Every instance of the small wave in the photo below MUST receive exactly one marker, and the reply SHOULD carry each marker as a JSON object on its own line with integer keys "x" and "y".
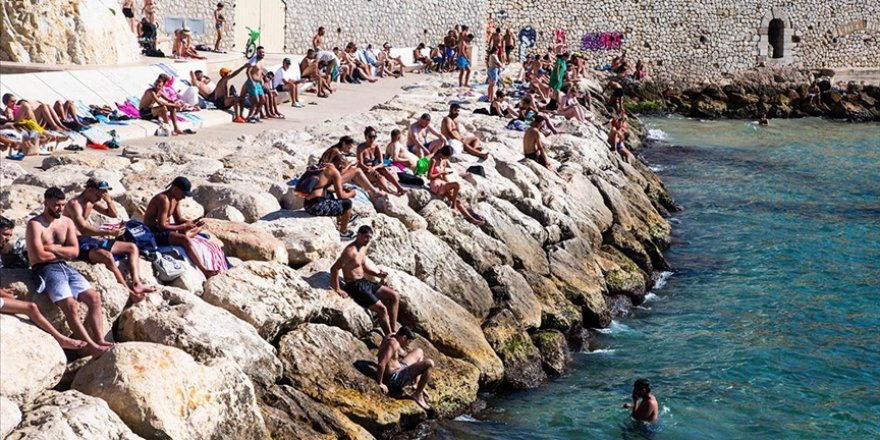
{"x": 602, "y": 351}
{"x": 656, "y": 168}
{"x": 661, "y": 281}
{"x": 466, "y": 418}
{"x": 615, "y": 327}
{"x": 657, "y": 134}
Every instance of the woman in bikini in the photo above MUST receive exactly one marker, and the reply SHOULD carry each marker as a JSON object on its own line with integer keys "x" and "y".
{"x": 442, "y": 187}
{"x": 370, "y": 160}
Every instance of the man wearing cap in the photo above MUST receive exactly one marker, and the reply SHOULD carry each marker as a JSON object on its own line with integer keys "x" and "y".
{"x": 417, "y": 137}
{"x": 51, "y": 241}
{"x": 222, "y": 95}
{"x": 286, "y": 80}
{"x": 165, "y": 207}
{"x": 98, "y": 245}
{"x": 400, "y": 373}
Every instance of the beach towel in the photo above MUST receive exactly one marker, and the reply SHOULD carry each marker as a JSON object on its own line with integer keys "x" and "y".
{"x": 96, "y": 136}
{"x": 129, "y": 110}
{"x": 107, "y": 121}
{"x": 210, "y": 254}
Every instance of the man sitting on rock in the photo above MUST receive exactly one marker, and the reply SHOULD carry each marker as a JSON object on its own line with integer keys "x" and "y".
{"x": 314, "y": 187}
{"x": 380, "y": 299}
{"x": 99, "y": 245}
{"x": 9, "y": 303}
{"x": 400, "y": 373}
{"x": 533, "y": 144}
{"x": 165, "y": 207}
{"x": 417, "y": 137}
{"x": 51, "y": 240}
{"x": 449, "y": 128}
{"x": 221, "y": 95}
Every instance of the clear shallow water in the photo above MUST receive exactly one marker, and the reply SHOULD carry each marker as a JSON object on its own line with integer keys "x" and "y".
{"x": 769, "y": 327}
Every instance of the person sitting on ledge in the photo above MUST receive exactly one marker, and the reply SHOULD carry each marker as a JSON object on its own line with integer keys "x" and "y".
{"x": 644, "y": 404}
{"x": 99, "y": 245}
{"x": 183, "y": 45}
{"x": 271, "y": 96}
{"x": 442, "y": 187}
{"x": 154, "y": 106}
{"x": 361, "y": 70}
{"x": 370, "y": 160}
{"x": 449, "y": 128}
{"x": 391, "y": 65}
{"x": 51, "y": 241}
{"x": 377, "y": 298}
{"x": 420, "y": 57}
{"x": 414, "y": 368}
{"x": 222, "y": 94}
{"x": 11, "y": 305}
{"x": 165, "y": 207}
{"x": 285, "y": 80}
{"x": 417, "y": 137}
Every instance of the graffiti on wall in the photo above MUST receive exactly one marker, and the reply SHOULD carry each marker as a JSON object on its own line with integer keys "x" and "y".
{"x": 601, "y": 40}
{"x": 527, "y": 38}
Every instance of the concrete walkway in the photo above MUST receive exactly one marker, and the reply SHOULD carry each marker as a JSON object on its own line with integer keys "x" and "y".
{"x": 348, "y": 99}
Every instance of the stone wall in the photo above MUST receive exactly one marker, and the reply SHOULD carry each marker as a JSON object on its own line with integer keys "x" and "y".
{"x": 400, "y": 22}
{"x": 194, "y": 10}
{"x": 65, "y": 32}
{"x": 695, "y": 41}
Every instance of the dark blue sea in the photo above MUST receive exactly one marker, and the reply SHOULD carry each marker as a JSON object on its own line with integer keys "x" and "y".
{"x": 768, "y": 327}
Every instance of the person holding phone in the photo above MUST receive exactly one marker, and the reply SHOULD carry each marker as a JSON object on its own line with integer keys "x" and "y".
{"x": 369, "y": 158}
{"x": 99, "y": 245}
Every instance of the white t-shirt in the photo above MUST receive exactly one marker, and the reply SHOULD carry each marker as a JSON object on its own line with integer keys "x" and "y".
{"x": 326, "y": 56}
{"x": 282, "y": 75}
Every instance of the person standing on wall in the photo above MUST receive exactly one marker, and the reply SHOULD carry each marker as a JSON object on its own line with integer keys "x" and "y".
{"x": 219, "y": 23}
{"x": 128, "y": 13}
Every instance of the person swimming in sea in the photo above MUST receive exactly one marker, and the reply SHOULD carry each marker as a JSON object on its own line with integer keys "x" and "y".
{"x": 644, "y": 404}
{"x": 763, "y": 120}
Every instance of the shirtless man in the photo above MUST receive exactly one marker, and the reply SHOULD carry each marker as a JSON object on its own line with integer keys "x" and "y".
{"x": 400, "y": 373}
{"x": 617, "y": 139}
{"x": 51, "y": 240}
{"x": 314, "y": 187}
{"x": 128, "y": 13}
{"x": 464, "y": 61}
{"x": 317, "y": 39}
{"x": 10, "y": 304}
{"x": 450, "y": 42}
{"x": 533, "y": 144}
{"x": 163, "y": 208}
{"x": 154, "y": 106}
{"x": 648, "y": 409}
{"x": 378, "y": 298}
{"x": 220, "y": 94}
{"x": 449, "y": 128}
{"x": 253, "y": 87}
{"x": 308, "y": 68}
{"x": 417, "y": 137}
{"x": 99, "y": 245}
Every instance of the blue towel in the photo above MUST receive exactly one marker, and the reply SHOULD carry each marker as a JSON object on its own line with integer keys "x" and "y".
{"x": 105, "y": 120}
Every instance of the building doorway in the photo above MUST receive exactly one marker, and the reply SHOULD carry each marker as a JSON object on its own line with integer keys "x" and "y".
{"x": 266, "y": 15}
{"x": 776, "y": 38}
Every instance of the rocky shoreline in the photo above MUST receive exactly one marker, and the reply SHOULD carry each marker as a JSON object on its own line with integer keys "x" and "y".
{"x": 780, "y": 93}
{"x": 266, "y": 350}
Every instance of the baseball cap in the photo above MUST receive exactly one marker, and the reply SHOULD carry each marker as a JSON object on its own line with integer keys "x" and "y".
{"x": 98, "y": 184}
{"x": 225, "y": 71}
{"x": 184, "y": 184}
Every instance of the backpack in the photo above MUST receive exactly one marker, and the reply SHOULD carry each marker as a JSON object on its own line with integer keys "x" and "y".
{"x": 307, "y": 182}
{"x": 167, "y": 268}
{"x": 138, "y": 233}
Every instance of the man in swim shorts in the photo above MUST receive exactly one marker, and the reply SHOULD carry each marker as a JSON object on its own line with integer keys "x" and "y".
{"x": 417, "y": 137}
{"x": 401, "y": 373}
{"x": 450, "y": 130}
{"x": 464, "y": 60}
{"x": 253, "y": 87}
{"x": 378, "y": 298}
{"x": 644, "y": 404}
{"x": 51, "y": 241}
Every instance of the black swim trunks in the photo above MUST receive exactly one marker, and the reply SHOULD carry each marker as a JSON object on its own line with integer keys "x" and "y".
{"x": 533, "y": 156}
{"x": 326, "y": 206}
{"x": 146, "y": 114}
{"x": 127, "y": 12}
{"x": 362, "y": 291}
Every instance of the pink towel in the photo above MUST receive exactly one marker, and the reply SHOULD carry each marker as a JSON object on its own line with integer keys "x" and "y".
{"x": 129, "y": 109}
{"x": 213, "y": 258}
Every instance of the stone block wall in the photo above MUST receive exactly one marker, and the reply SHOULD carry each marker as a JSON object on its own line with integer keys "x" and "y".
{"x": 403, "y": 23}
{"x": 195, "y": 9}
{"x": 697, "y": 41}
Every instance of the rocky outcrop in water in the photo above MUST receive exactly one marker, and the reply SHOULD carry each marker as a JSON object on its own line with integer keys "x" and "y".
{"x": 780, "y": 93}
{"x": 266, "y": 349}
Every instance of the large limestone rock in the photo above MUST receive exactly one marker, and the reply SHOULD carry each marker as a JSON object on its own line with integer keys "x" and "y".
{"x": 63, "y": 32}
{"x": 577, "y": 274}
{"x": 472, "y": 244}
{"x": 511, "y": 290}
{"x": 71, "y": 415}
{"x": 10, "y": 416}
{"x": 446, "y": 324}
{"x": 290, "y": 414}
{"x": 161, "y": 392}
{"x": 554, "y": 350}
{"x": 253, "y": 202}
{"x": 31, "y": 360}
{"x": 306, "y": 238}
{"x": 247, "y": 242}
{"x": 180, "y": 319}
{"x": 269, "y": 296}
{"x": 323, "y": 362}
{"x": 522, "y": 360}
{"x": 523, "y": 235}
{"x": 391, "y": 245}
{"x": 557, "y": 312}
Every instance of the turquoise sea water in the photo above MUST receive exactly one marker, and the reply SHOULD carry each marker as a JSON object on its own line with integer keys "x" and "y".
{"x": 769, "y": 327}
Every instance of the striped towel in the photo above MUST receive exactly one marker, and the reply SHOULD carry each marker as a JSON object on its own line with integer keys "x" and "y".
{"x": 211, "y": 255}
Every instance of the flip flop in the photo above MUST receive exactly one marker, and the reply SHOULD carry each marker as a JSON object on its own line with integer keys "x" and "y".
{"x": 188, "y": 131}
